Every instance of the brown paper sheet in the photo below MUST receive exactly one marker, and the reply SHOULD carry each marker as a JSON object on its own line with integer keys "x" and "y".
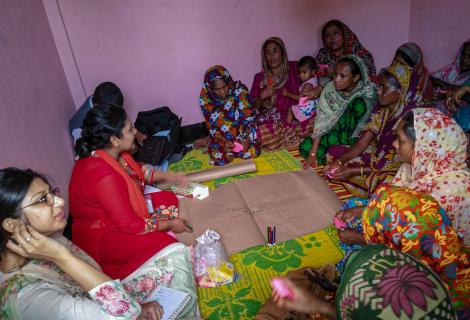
{"x": 297, "y": 203}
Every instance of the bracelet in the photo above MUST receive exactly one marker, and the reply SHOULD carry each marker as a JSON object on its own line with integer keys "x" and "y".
{"x": 151, "y": 224}
{"x": 362, "y": 171}
{"x": 146, "y": 171}
{"x": 340, "y": 163}
{"x": 151, "y": 175}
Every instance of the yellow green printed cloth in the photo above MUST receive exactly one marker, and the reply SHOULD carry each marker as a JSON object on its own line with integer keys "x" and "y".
{"x": 257, "y": 265}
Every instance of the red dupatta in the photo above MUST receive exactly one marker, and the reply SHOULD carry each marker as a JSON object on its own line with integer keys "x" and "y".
{"x": 135, "y": 194}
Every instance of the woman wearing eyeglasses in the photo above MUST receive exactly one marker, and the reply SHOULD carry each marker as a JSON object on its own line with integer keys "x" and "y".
{"x": 44, "y": 275}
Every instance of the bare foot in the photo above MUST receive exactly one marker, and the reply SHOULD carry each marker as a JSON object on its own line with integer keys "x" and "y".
{"x": 202, "y": 142}
{"x": 350, "y": 237}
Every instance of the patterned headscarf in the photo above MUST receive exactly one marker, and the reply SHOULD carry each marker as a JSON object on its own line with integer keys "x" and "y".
{"x": 238, "y": 97}
{"x": 208, "y": 96}
{"x": 412, "y": 51}
{"x": 333, "y": 103}
{"x": 420, "y": 72}
{"x": 438, "y": 166}
{"x": 451, "y": 72}
{"x": 403, "y": 74}
{"x": 352, "y": 45}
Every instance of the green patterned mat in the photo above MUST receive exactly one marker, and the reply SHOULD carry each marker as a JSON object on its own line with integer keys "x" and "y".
{"x": 256, "y": 265}
{"x": 266, "y": 163}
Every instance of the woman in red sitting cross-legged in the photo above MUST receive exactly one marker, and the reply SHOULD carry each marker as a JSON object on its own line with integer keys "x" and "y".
{"x": 110, "y": 217}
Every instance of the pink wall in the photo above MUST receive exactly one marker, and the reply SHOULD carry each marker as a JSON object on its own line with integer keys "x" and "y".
{"x": 158, "y": 51}
{"x": 439, "y": 27}
{"x": 35, "y": 100}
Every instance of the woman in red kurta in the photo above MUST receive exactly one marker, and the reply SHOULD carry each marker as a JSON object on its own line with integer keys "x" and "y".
{"x": 110, "y": 218}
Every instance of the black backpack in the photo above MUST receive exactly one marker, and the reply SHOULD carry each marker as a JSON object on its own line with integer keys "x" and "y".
{"x": 156, "y": 149}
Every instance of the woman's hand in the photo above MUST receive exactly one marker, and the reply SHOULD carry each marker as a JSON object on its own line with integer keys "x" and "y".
{"x": 343, "y": 173}
{"x": 176, "y": 178}
{"x": 458, "y": 95}
{"x": 178, "y": 225}
{"x": 140, "y": 137}
{"x": 351, "y": 237}
{"x": 454, "y": 100}
{"x": 350, "y": 214}
{"x": 450, "y": 102}
{"x": 304, "y": 301}
{"x": 311, "y": 162}
{"x": 151, "y": 311}
{"x": 228, "y": 146}
{"x": 267, "y": 92}
{"x": 440, "y": 93}
{"x": 313, "y": 93}
{"x": 332, "y": 167}
{"x": 246, "y": 144}
{"x": 33, "y": 245}
{"x": 202, "y": 142}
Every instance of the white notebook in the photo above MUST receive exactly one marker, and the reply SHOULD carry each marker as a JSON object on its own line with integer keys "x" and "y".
{"x": 172, "y": 301}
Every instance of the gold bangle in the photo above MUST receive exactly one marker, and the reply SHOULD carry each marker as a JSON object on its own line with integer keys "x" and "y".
{"x": 362, "y": 171}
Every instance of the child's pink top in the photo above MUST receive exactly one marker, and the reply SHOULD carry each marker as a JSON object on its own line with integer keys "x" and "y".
{"x": 313, "y": 81}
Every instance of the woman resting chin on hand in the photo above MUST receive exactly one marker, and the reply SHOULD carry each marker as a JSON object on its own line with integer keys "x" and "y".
{"x": 41, "y": 266}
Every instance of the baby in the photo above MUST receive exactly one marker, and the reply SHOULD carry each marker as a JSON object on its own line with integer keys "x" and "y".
{"x": 307, "y": 74}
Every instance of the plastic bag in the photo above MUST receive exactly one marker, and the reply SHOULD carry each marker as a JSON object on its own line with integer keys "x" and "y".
{"x": 212, "y": 265}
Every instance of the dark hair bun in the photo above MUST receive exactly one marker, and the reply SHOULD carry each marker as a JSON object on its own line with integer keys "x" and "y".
{"x": 100, "y": 124}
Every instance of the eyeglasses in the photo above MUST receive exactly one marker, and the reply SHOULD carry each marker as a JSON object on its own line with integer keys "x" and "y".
{"x": 48, "y": 199}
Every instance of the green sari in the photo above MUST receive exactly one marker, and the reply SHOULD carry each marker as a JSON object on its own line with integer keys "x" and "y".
{"x": 381, "y": 283}
{"x": 340, "y": 118}
{"x": 341, "y": 133}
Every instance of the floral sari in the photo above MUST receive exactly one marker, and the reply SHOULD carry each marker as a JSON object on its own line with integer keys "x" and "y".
{"x": 232, "y": 118}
